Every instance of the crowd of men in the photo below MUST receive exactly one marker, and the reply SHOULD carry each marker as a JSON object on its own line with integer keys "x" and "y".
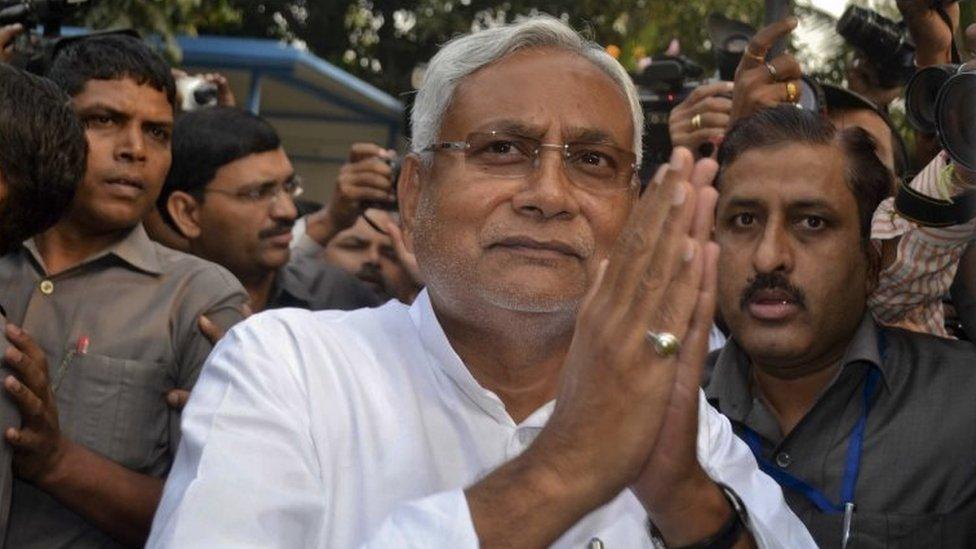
{"x": 517, "y": 343}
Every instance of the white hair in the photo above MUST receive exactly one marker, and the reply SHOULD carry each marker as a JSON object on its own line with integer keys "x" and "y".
{"x": 466, "y": 54}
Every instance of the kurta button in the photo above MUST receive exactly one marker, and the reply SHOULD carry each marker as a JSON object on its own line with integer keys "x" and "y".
{"x": 47, "y": 287}
{"x": 783, "y": 459}
{"x": 595, "y": 543}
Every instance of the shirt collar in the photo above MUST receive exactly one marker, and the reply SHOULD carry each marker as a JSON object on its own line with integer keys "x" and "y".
{"x": 729, "y": 388}
{"x": 435, "y": 342}
{"x": 288, "y": 290}
{"x": 135, "y": 249}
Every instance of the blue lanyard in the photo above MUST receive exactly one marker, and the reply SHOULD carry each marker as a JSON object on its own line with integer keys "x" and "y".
{"x": 852, "y": 464}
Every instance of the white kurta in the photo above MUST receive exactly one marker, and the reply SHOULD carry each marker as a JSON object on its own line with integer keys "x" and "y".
{"x": 334, "y": 429}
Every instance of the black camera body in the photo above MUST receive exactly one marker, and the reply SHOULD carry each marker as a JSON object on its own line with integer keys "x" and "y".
{"x": 32, "y": 51}
{"x": 662, "y": 85}
{"x": 886, "y": 44}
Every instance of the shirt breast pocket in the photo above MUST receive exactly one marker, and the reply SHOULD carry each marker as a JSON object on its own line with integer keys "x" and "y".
{"x": 117, "y": 408}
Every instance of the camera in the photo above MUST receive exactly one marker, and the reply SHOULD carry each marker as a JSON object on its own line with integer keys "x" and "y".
{"x": 942, "y": 100}
{"x": 34, "y": 52}
{"x": 195, "y": 92}
{"x": 886, "y": 44}
{"x": 663, "y": 84}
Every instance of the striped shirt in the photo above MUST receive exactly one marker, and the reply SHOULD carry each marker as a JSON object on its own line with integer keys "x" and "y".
{"x": 910, "y": 289}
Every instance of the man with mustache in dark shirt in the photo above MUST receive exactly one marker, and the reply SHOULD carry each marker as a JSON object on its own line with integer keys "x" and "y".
{"x": 230, "y": 192}
{"x": 868, "y": 429}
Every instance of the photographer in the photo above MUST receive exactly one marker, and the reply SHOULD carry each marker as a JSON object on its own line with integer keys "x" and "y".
{"x": 921, "y": 259}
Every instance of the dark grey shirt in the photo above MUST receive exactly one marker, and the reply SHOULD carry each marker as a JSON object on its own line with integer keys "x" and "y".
{"x": 308, "y": 282}
{"x": 917, "y": 482}
{"x": 119, "y": 331}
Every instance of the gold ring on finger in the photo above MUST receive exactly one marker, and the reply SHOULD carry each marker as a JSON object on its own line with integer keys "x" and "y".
{"x": 665, "y": 344}
{"x": 792, "y": 93}
{"x": 696, "y": 122}
{"x": 772, "y": 71}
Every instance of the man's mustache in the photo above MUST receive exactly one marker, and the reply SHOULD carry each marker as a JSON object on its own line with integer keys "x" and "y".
{"x": 772, "y": 281}
{"x": 277, "y": 230}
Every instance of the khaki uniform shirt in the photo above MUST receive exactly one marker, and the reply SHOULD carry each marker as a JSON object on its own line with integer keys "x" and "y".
{"x": 119, "y": 330}
{"x": 917, "y": 482}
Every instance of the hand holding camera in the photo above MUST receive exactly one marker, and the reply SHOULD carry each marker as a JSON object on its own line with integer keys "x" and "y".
{"x": 702, "y": 117}
{"x": 365, "y": 181}
{"x": 931, "y": 33}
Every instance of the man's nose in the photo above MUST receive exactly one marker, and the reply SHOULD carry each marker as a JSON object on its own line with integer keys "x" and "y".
{"x": 547, "y": 192}
{"x": 283, "y": 207}
{"x": 131, "y": 144}
{"x": 774, "y": 251}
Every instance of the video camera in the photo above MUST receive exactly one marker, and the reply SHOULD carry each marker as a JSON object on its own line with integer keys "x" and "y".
{"x": 33, "y": 51}
{"x": 662, "y": 85}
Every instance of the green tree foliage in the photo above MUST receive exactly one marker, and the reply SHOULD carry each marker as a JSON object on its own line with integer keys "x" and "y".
{"x": 163, "y": 18}
{"x": 382, "y": 41}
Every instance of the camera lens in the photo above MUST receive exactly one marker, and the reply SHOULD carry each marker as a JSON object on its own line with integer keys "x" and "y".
{"x": 205, "y": 95}
{"x": 956, "y": 118}
{"x": 884, "y": 43}
{"x": 922, "y": 93}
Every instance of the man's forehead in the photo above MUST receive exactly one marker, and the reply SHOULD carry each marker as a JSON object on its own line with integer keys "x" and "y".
{"x": 127, "y": 96}
{"x": 261, "y": 167}
{"x": 535, "y": 88}
{"x": 786, "y": 174}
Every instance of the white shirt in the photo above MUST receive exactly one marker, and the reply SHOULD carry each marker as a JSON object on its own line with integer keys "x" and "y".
{"x": 343, "y": 429}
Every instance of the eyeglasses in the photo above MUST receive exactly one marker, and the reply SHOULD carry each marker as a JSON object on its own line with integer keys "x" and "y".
{"x": 265, "y": 193}
{"x": 592, "y": 166}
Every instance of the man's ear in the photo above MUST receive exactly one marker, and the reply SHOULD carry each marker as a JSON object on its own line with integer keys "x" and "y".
{"x": 184, "y": 209}
{"x": 408, "y": 196}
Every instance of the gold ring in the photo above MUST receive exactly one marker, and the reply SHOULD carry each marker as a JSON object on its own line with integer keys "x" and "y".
{"x": 696, "y": 122}
{"x": 772, "y": 71}
{"x": 754, "y": 56}
{"x": 792, "y": 93}
{"x": 665, "y": 344}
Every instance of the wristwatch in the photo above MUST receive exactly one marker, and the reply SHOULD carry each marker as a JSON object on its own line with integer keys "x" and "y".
{"x": 726, "y": 536}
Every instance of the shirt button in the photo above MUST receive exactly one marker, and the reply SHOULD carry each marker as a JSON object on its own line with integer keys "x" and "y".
{"x": 783, "y": 459}
{"x": 595, "y": 543}
{"x": 47, "y": 287}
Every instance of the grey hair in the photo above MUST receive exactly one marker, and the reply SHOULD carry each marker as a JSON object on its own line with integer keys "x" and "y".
{"x": 466, "y": 54}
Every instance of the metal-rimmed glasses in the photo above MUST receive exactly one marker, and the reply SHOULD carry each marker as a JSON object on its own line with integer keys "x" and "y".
{"x": 265, "y": 192}
{"x": 596, "y": 167}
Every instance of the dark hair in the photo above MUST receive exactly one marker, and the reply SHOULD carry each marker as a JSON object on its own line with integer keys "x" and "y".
{"x": 207, "y": 139}
{"x": 43, "y": 154}
{"x": 868, "y": 178}
{"x": 111, "y": 57}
